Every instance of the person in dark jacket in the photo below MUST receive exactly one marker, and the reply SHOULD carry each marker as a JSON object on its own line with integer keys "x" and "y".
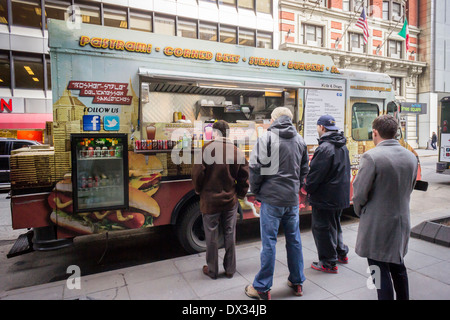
{"x": 278, "y": 167}
{"x": 328, "y": 187}
{"x": 433, "y": 140}
{"x": 220, "y": 180}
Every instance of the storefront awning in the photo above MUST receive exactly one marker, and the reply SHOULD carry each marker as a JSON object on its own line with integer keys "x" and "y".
{"x": 211, "y": 79}
{"x": 16, "y": 121}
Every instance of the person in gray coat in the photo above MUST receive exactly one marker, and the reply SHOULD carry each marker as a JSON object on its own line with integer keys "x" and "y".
{"x": 381, "y": 198}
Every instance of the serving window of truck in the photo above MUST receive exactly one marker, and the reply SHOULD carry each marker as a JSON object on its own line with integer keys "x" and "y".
{"x": 131, "y": 111}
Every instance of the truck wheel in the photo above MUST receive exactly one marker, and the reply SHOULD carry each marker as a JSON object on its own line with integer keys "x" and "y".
{"x": 190, "y": 230}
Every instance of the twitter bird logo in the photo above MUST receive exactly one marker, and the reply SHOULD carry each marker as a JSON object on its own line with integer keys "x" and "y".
{"x": 111, "y": 123}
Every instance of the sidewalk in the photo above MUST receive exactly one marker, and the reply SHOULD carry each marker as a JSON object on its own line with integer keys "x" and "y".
{"x": 182, "y": 279}
{"x": 427, "y": 152}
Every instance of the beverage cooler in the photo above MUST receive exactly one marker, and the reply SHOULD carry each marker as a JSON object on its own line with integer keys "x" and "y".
{"x": 99, "y": 172}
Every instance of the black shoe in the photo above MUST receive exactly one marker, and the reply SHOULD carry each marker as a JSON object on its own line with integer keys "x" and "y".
{"x": 319, "y": 266}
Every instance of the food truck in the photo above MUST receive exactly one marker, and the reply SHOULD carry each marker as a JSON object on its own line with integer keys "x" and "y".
{"x": 443, "y": 165}
{"x": 132, "y": 110}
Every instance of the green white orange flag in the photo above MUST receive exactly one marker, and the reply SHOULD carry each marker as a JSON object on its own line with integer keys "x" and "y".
{"x": 404, "y": 33}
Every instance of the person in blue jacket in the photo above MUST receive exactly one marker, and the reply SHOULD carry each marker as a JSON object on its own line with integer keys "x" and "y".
{"x": 328, "y": 188}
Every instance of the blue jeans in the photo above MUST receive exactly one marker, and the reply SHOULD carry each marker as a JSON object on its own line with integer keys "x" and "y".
{"x": 270, "y": 218}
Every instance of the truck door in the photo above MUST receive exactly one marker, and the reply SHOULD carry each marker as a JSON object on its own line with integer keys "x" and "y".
{"x": 444, "y": 134}
{"x": 393, "y": 109}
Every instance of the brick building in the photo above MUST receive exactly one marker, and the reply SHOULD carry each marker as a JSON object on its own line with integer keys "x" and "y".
{"x": 328, "y": 27}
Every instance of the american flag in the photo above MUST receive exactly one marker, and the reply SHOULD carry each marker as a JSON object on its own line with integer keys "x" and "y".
{"x": 362, "y": 23}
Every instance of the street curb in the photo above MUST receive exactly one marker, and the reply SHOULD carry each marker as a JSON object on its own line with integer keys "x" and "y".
{"x": 433, "y": 231}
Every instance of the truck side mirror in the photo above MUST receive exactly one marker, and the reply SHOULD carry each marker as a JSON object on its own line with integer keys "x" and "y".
{"x": 398, "y": 135}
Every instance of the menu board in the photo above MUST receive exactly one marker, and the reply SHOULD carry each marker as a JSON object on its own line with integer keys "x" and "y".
{"x": 321, "y": 102}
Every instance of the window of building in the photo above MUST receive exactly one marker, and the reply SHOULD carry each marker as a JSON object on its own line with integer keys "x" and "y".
{"x": 395, "y": 49}
{"x": 312, "y": 35}
{"x": 264, "y": 6}
{"x": 228, "y": 35}
{"x": 346, "y": 5}
{"x": 57, "y": 10}
{"x": 386, "y": 5}
{"x": 3, "y": 12}
{"x": 354, "y": 5}
{"x": 208, "y": 31}
{"x": 264, "y": 40}
{"x": 229, "y": 2}
{"x": 358, "y": 5}
{"x": 356, "y": 42}
{"x": 165, "y": 25}
{"x": 397, "y": 86}
{"x": 187, "y": 29}
{"x": 246, "y": 4}
{"x": 396, "y": 11}
{"x": 363, "y": 115}
{"x": 28, "y": 72}
{"x": 27, "y": 13}
{"x": 247, "y": 38}
{"x": 89, "y": 14}
{"x": 115, "y": 18}
{"x": 140, "y": 21}
{"x": 393, "y": 10}
{"x": 5, "y": 70}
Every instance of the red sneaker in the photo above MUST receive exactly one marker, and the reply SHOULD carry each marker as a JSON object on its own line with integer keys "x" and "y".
{"x": 319, "y": 266}
{"x": 343, "y": 259}
{"x": 298, "y": 288}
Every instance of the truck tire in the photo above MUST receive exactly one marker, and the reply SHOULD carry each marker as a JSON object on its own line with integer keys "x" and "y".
{"x": 190, "y": 230}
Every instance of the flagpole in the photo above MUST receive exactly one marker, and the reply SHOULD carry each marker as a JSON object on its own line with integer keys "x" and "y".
{"x": 338, "y": 41}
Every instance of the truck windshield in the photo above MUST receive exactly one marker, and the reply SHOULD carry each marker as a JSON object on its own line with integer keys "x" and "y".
{"x": 363, "y": 115}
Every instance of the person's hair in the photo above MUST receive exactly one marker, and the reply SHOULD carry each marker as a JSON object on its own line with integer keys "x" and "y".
{"x": 281, "y": 111}
{"x": 221, "y": 126}
{"x": 386, "y": 125}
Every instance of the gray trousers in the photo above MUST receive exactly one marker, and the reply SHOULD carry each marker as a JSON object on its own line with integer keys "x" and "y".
{"x": 211, "y": 223}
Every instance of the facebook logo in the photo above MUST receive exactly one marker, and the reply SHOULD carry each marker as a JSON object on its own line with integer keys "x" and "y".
{"x": 91, "y": 123}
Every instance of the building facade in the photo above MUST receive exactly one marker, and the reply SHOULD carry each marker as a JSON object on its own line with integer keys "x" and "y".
{"x": 329, "y": 27}
{"x": 25, "y": 81}
{"x": 326, "y": 27}
{"x": 434, "y": 43}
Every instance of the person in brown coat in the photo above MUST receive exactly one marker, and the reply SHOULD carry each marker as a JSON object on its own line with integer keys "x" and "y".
{"x": 220, "y": 180}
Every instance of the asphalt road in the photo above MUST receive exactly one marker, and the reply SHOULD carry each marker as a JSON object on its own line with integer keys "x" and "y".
{"x": 93, "y": 254}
